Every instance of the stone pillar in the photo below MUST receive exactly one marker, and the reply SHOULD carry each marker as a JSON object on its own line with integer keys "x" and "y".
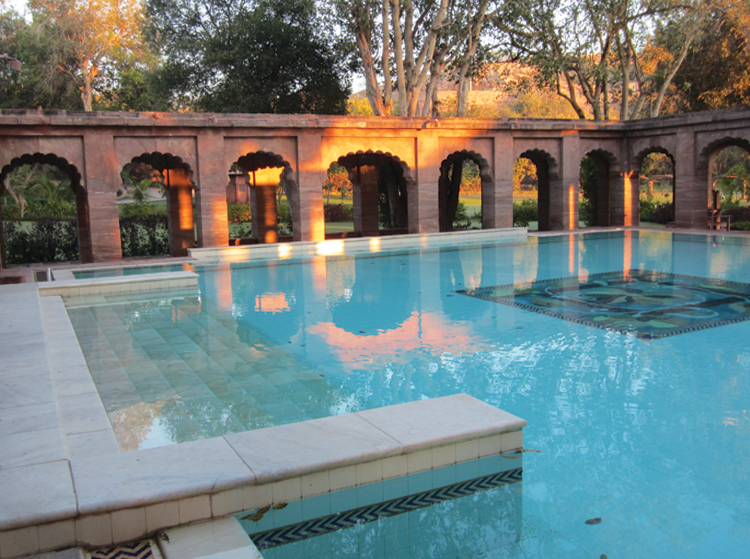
{"x": 102, "y": 177}
{"x": 211, "y": 194}
{"x": 497, "y": 196}
{"x": 564, "y": 202}
{"x": 612, "y": 210}
{"x": 85, "y": 248}
{"x": 179, "y": 211}
{"x": 307, "y": 195}
{"x": 691, "y": 191}
{"x": 424, "y": 207}
{"x": 365, "y": 200}
{"x": 263, "y": 206}
{"x": 2, "y": 243}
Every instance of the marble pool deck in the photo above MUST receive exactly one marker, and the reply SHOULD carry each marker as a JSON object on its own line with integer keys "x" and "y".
{"x": 65, "y": 482}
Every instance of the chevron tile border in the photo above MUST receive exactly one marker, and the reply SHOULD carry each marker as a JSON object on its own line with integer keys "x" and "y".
{"x": 333, "y": 522}
{"x": 137, "y": 550}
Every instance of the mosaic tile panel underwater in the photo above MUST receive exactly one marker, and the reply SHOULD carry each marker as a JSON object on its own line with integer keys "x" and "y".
{"x": 339, "y": 521}
{"x": 644, "y": 303}
{"x": 135, "y": 550}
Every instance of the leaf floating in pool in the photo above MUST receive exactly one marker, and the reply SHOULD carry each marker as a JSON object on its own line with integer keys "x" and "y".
{"x": 279, "y": 506}
{"x": 592, "y": 521}
{"x": 257, "y": 515}
{"x": 517, "y": 452}
{"x": 603, "y": 556}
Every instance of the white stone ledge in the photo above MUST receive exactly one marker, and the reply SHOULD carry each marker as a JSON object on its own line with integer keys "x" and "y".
{"x": 119, "y": 284}
{"x": 283, "y": 251}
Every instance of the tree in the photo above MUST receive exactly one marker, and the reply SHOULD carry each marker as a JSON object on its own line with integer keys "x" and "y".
{"x": 272, "y": 56}
{"x": 715, "y": 73}
{"x": 594, "y": 53}
{"x": 82, "y": 37}
{"x": 413, "y": 45}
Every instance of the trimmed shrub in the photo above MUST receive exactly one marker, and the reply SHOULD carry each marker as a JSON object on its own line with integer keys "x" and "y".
{"x": 336, "y": 213}
{"x": 739, "y": 214}
{"x": 741, "y": 226}
{"x": 663, "y": 213}
{"x": 144, "y": 235}
{"x": 240, "y": 213}
{"x": 141, "y": 209}
{"x": 284, "y": 215}
{"x": 45, "y": 240}
{"x": 647, "y": 209}
{"x": 525, "y": 212}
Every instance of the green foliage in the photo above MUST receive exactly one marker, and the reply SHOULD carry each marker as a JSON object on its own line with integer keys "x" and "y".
{"x": 145, "y": 235}
{"x": 715, "y": 73}
{"x": 588, "y": 185}
{"x": 647, "y": 209}
{"x": 42, "y": 241}
{"x": 741, "y": 226}
{"x": 525, "y": 212}
{"x": 337, "y": 213}
{"x": 142, "y": 209}
{"x": 273, "y": 56}
{"x": 284, "y": 217}
{"x": 39, "y": 191}
{"x": 240, "y": 213}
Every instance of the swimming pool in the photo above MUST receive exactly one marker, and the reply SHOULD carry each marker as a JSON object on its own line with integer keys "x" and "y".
{"x": 647, "y": 434}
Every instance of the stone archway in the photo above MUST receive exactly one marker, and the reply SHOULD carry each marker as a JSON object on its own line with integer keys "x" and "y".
{"x": 179, "y": 188}
{"x": 706, "y": 158}
{"x": 638, "y": 162}
{"x": 607, "y": 207}
{"x": 547, "y": 178}
{"x": 83, "y": 220}
{"x": 451, "y": 175}
{"x": 376, "y": 177}
{"x": 263, "y": 187}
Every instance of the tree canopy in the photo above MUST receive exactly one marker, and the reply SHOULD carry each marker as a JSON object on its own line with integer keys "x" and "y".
{"x": 272, "y": 56}
{"x": 607, "y": 59}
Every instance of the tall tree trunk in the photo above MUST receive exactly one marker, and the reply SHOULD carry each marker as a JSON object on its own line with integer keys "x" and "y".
{"x": 372, "y": 89}
{"x": 87, "y": 93}
{"x": 475, "y": 30}
{"x": 386, "y": 60}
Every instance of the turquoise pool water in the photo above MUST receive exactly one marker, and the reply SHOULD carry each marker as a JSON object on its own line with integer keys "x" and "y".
{"x": 650, "y": 435}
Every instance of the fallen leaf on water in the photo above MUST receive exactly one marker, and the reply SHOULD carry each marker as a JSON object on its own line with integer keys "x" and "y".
{"x": 592, "y": 521}
{"x": 519, "y": 451}
{"x": 279, "y": 506}
{"x": 257, "y": 515}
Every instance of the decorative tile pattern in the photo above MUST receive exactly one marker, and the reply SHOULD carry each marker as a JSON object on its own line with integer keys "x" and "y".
{"x": 647, "y": 304}
{"x": 333, "y": 522}
{"x": 137, "y": 550}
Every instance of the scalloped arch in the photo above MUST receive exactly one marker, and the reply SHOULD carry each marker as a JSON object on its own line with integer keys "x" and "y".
{"x": 370, "y": 157}
{"x": 728, "y": 141}
{"x": 638, "y": 158}
{"x": 256, "y": 160}
{"x": 608, "y": 156}
{"x": 161, "y": 161}
{"x": 484, "y": 166}
{"x": 537, "y": 156}
{"x": 45, "y": 159}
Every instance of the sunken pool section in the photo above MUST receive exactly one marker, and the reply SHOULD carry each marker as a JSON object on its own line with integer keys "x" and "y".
{"x": 625, "y": 351}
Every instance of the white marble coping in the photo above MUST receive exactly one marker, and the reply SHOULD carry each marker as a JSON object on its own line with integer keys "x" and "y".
{"x": 215, "y": 539}
{"x": 301, "y": 249}
{"x": 68, "y": 273}
{"x": 118, "y": 284}
{"x": 74, "y": 485}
